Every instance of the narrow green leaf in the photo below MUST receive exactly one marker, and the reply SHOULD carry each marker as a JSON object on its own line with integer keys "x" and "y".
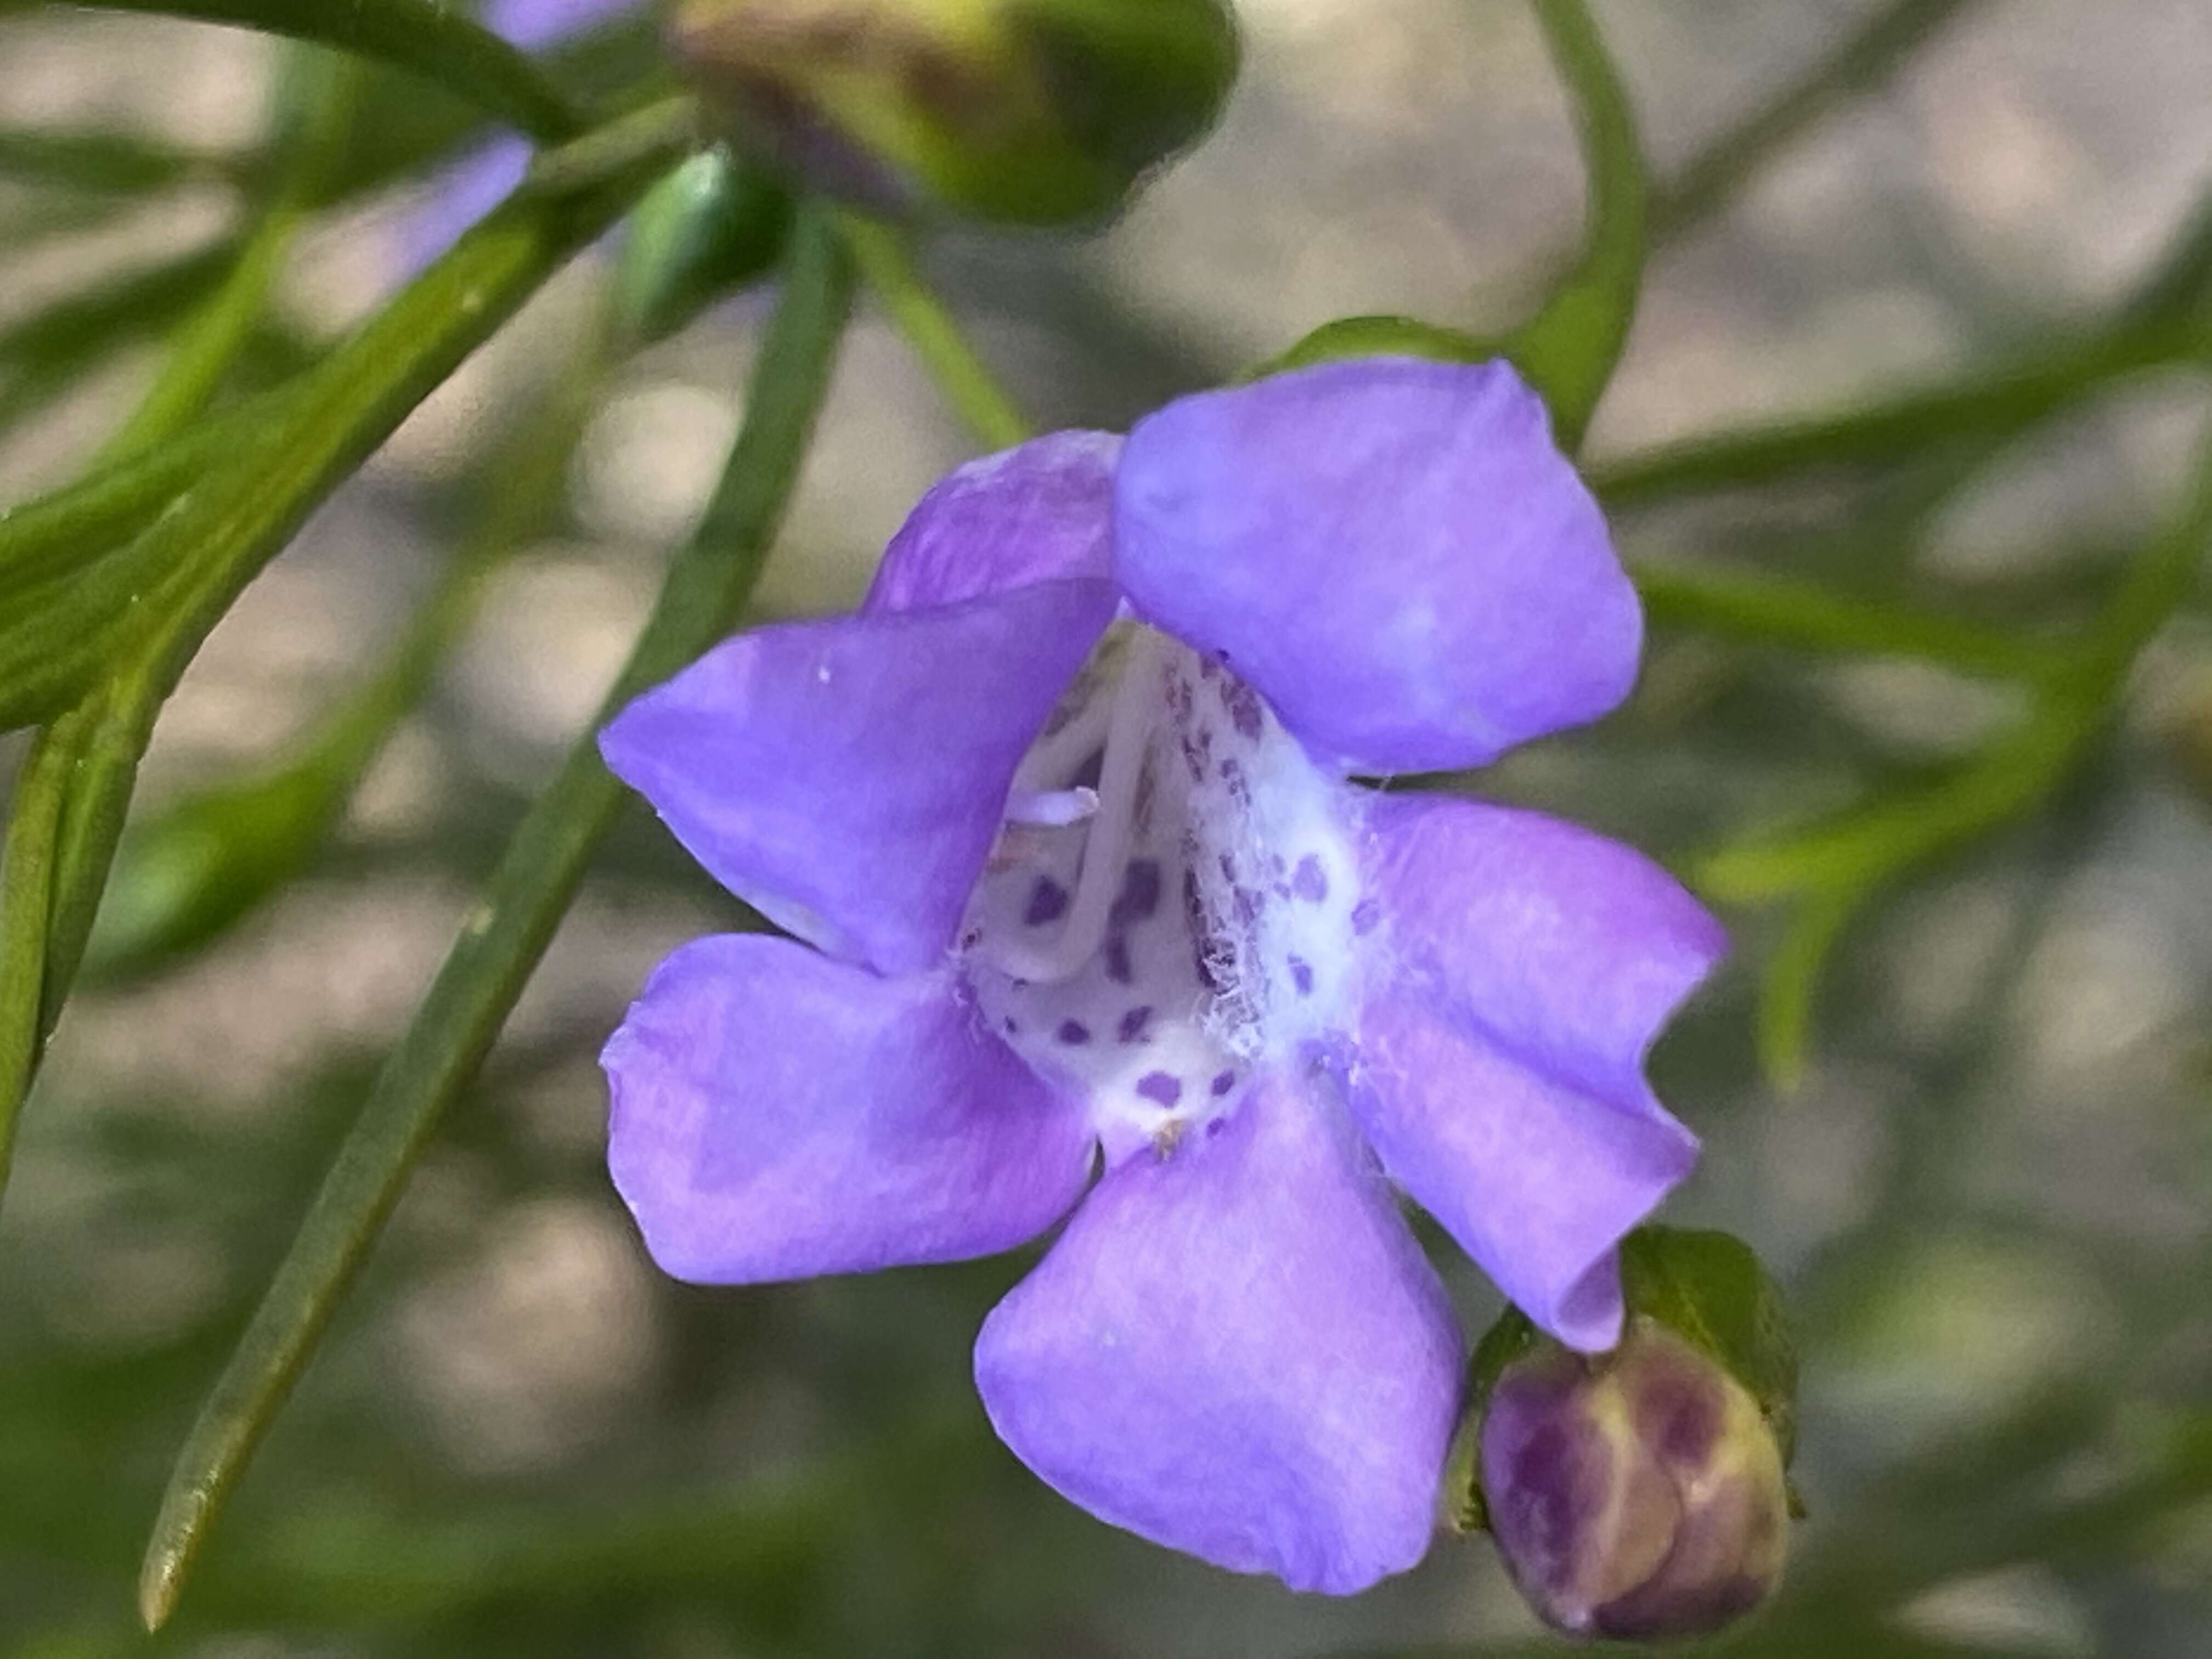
{"x": 514, "y": 922}
{"x": 1996, "y": 404}
{"x": 1376, "y": 337}
{"x": 179, "y": 574}
{"x": 59, "y": 534}
{"x": 1569, "y": 349}
{"x": 122, "y": 163}
{"x": 1864, "y": 59}
{"x": 419, "y": 35}
{"x": 1789, "y": 982}
{"x": 26, "y": 889}
{"x": 166, "y": 588}
{"x": 1764, "y": 608}
{"x": 886, "y": 261}
{"x": 202, "y": 865}
{"x": 320, "y": 94}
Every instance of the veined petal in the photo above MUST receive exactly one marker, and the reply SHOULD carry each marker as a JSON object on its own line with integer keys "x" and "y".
{"x": 1237, "y": 1350}
{"x": 1500, "y": 1075}
{"x": 1536, "y": 1180}
{"x": 777, "y": 1115}
{"x": 1573, "y": 950}
{"x": 1041, "y": 511}
{"x": 1391, "y": 551}
{"x": 847, "y": 777}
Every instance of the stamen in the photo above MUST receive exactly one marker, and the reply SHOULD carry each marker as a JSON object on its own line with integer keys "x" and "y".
{"x": 1054, "y": 759}
{"x": 1055, "y": 809}
{"x": 1128, "y": 738}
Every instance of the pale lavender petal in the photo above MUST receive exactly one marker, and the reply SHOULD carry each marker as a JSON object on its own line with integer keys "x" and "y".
{"x": 847, "y": 777}
{"x": 466, "y": 189}
{"x": 778, "y": 1114}
{"x": 1038, "y": 512}
{"x": 1572, "y": 949}
{"x": 1529, "y": 965}
{"x": 1391, "y": 551}
{"x": 533, "y": 23}
{"x": 1536, "y": 1180}
{"x": 461, "y": 193}
{"x": 1237, "y": 1350}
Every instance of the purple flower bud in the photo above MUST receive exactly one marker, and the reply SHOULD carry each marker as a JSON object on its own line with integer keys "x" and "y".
{"x": 1636, "y": 1494}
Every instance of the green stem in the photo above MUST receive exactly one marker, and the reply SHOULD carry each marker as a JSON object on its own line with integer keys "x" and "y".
{"x": 182, "y": 571}
{"x": 513, "y": 923}
{"x": 1570, "y": 349}
{"x": 1761, "y": 608}
{"x": 886, "y": 262}
{"x": 1994, "y": 405}
{"x": 419, "y": 35}
{"x": 56, "y": 537}
{"x": 27, "y": 890}
{"x": 1833, "y": 868}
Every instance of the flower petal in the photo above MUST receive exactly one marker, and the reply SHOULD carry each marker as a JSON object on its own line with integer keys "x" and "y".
{"x": 847, "y": 777}
{"x": 1239, "y": 1350}
{"x": 1041, "y": 511}
{"x": 1501, "y": 1061}
{"x": 534, "y": 23}
{"x": 778, "y": 1114}
{"x": 1391, "y": 551}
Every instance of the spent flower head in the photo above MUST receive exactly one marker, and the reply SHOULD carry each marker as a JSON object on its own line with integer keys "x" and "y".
{"x": 1089, "y": 917}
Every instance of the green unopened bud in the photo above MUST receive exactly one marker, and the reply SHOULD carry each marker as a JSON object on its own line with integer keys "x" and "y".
{"x": 1642, "y": 1493}
{"x": 713, "y": 225}
{"x": 1026, "y": 112}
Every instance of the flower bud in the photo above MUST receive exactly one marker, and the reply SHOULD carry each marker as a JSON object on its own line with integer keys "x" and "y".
{"x": 1026, "y": 112}
{"x": 709, "y": 229}
{"x": 1636, "y": 1494}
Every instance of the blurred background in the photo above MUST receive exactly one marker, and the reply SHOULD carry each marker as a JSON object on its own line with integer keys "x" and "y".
{"x": 1989, "y": 1195}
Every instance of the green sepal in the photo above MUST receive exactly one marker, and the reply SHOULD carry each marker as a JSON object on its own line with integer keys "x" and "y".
{"x": 1374, "y": 337}
{"x": 1708, "y": 1287}
{"x": 1705, "y": 1286}
{"x": 1510, "y": 1336}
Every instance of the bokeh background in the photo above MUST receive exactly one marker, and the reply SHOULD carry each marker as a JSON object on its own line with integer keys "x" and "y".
{"x": 1987, "y": 1196}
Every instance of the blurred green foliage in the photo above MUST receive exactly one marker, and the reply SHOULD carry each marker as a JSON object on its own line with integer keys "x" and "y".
{"x": 514, "y": 1439}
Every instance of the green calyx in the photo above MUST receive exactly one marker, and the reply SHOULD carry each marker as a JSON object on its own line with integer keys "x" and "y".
{"x": 1016, "y": 111}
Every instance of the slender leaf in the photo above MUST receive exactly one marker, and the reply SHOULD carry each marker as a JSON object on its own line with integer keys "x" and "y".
{"x": 886, "y": 260}
{"x": 1869, "y": 56}
{"x": 432, "y": 41}
{"x": 1763, "y": 608}
{"x": 1996, "y": 404}
{"x": 320, "y": 92}
{"x": 27, "y": 890}
{"x": 512, "y": 924}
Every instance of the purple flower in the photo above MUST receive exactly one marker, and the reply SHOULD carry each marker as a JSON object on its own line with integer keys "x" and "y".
{"x": 1063, "y": 813}
{"x": 466, "y": 189}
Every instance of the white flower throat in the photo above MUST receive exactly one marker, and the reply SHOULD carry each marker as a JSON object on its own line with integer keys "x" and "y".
{"x": 1173, "y": 899}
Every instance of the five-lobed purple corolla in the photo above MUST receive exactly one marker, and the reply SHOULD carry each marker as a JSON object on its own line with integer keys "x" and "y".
{"x": 1063, "y": 823}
